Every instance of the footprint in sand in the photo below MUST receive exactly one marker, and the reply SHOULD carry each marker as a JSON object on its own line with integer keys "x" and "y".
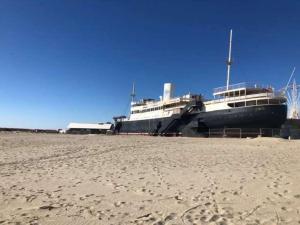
{"x": 170, "y": 217}
{"x": 119, "y": 204}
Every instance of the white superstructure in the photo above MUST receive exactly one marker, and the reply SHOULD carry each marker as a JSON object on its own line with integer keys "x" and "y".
{"x": 146, "y": 109}
{"x": 243, "y": 95}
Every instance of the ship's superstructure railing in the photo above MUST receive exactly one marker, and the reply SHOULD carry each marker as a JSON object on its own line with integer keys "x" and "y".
{"x": 170, "y": 105}
{"x": 150, "y": 103}
{"x": 238, "y": 86}
{"x": 266, "y": 95}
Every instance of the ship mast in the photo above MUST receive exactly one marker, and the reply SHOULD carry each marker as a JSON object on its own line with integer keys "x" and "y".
{"x": 132, "y": 93}
{"x": 229, "y": 62}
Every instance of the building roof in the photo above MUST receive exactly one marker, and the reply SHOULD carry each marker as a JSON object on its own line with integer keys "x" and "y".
{"x": 104, "y": 126}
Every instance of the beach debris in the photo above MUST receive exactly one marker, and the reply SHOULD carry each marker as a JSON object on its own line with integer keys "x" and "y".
{"x": 49, "y": 207}
{"x": 144, "y": 216}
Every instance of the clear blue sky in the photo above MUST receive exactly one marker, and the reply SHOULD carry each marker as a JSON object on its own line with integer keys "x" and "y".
{"x": 63, "y": 61}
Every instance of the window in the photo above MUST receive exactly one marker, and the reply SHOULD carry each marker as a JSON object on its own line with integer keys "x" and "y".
{"x": 262, "y": 102}
{"x": 231, "y": 105}
{"x": 282, "y": 100}
{"x": 239, "y": 104}
{"x": 273, "y": 101}
{"x": 249, "y": 103}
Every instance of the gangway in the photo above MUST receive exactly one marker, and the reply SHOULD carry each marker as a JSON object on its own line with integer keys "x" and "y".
{"x": 179, "y": 119}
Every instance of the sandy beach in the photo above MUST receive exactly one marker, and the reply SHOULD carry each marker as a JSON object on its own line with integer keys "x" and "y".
{"x": 98, "y": 179}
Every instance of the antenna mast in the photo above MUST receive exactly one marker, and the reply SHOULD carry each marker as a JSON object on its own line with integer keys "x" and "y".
{"x": 290, "y": 79}
{"x": 293, "y": 100}
{"x": 133, "y": 93}
{"x": 292, "y": 93}
{"x": 229, "y": 62}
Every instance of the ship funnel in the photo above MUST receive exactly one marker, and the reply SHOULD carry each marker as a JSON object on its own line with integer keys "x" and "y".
{"x": 168, "y": 91}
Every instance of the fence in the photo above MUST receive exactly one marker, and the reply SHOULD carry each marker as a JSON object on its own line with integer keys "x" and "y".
{"x": 244, "y": 132}
{"x": 288, "y": 133}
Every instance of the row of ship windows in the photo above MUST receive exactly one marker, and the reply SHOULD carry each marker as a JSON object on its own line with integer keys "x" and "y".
{"x": 257, "y": 102}
{"x": 156, "y": 108}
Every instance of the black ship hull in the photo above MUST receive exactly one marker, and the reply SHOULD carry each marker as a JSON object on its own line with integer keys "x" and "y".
{"x": 262, "y": 116}
{"x": 169, "y": 125}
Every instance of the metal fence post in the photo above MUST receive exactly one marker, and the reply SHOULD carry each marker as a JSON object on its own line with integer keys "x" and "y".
{"x": 260, "y": 133}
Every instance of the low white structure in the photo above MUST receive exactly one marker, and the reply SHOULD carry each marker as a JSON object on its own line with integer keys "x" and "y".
{"x": 91, "y": 128}
{"x": 61, "y": 131}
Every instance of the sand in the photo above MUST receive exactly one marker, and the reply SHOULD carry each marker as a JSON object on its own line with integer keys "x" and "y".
{"x": 98, "y": 179}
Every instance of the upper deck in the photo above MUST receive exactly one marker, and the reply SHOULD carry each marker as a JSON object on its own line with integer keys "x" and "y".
{"x": 241, "y": 89}
{"x": 149, "y": 103}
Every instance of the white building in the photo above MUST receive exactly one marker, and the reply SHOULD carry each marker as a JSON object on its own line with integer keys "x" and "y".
{"x": 88, "y": 128}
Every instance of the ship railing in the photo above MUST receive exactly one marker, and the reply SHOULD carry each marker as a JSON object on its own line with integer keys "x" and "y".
{"x": 172, "y": 100}
{"x": 243, "y": 85}
{"x": 283, "y": 132}
{"x": 185, "y": 99}
{"x": 177, "y": 100}
{"x": 244, "y": 97}
{"x": 279, "y": 93}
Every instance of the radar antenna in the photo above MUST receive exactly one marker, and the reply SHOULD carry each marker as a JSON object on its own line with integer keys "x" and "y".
{"x": 229, "y": 62}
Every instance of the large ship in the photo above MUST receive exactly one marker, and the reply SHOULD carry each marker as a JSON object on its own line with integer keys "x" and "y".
{"x": 242, "y": 105}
